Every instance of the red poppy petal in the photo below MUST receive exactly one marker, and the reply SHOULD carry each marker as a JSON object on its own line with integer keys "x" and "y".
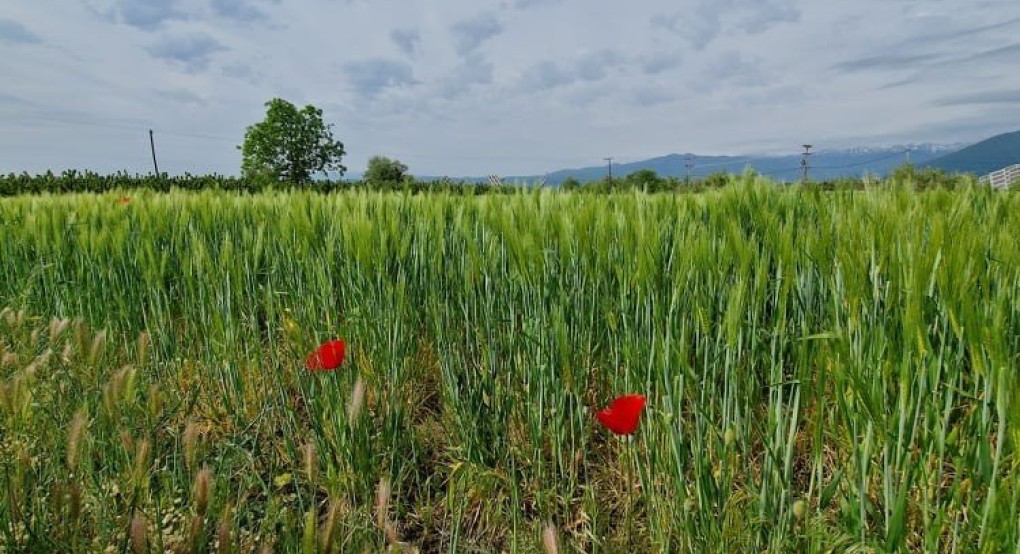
{"x": 327, "y": 357}
{"x": 623, "y": 414}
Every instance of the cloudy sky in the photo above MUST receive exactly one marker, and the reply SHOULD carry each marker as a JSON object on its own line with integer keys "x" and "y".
{"x": 472, "y": 87}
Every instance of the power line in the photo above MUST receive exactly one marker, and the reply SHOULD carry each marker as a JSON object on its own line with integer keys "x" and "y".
{"x": 858, "y": 164}
{"x": 126, "y": 127}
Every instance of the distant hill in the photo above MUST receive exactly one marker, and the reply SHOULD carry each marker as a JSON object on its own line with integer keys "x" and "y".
{"x": 981, "y": 158}
{"x": 824, "y": 164}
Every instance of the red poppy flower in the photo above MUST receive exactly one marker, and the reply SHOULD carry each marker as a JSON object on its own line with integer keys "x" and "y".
{"x": 623, "y": 415}
{"x": 327, "y": 357}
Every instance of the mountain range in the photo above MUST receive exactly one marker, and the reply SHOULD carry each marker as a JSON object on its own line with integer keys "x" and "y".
{"x": 979, "y": 158}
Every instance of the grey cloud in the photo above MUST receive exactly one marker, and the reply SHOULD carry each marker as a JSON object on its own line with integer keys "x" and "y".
{"x": 180, "y": 97}
{"x": 660, "y": 62}
{"x": 148, "y": 14}
{"x": 469, "y": 34}
{"x": 980, "y": 29}
{"x": 546, "y": 75}
{"x": 698, "y": 28}
{"x": 192, "y": 51}
{"x": 1005, "y": 53}
{"x": 595, "y": 66}
{"x": 998, "y": 97}
{"x": 239, "y": 70}
{"x": 525, "y": 4}
{"x": 731, "y": 69}
{"x": 408, "y": 40}
{"x": 760, "y": 16}
{"x": 668, "y": 22}
{"x": 894, "y": 62}
{"x": 942, "y": 36}
{"x": 590, "y": 67}
{"x": 901, "y": 82}
{"x": 16, "y": 101}
{"x": 928, "y": 42}
{"x": 475, "y": 69}
{"x": 702, "y": 26}
{"x": 239, "y": 10}
{"x": 12, "y": 32}
{"x": 372, "y": 76}
{"x": 980, "y": 61}
{"x": 653, "y": 96}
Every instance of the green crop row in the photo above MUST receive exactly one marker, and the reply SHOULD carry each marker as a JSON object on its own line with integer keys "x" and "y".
{"x": 825, "y": 371}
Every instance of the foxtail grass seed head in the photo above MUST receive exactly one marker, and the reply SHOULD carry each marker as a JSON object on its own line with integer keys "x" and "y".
{"x": 74, "y": 438}
{"x": 139, "y": 534}
{"x": 195, "y": 533}
{"x": 74, "y": 501}
{"x": 203, "y": 485}
{"x": 40, "y": 361}
{"x": 57, "y": 327}
{"x": 328, "y": 532}
{"x": 390, "y": 531}
{"x": 190, "y": 443}
{"x": 144, "y": 341}
{"x": 549, "y": 540}
{"x": 308, "y": 537}
{"x": 24, "y": 459}
{"x": 66, "y": 353}
{"x": 357, "y": 400}
{"x": 127, "y": 441}
{"x": 9, "y": 359}
{"x": 382, "y": 502}
{"x": 154, "y": 403}
{"x": 143, "y": 453}
{"x": 311, "y": 461}
{"x": 98, "y": 345}
{"x": 224, "y": 530}
{"x": 81, "y": 333}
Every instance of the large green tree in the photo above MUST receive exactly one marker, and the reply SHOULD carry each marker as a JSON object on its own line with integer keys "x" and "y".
{"x": 290, "y": 145}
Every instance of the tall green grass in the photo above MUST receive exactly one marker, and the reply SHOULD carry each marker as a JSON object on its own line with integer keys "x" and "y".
{"x": 826, "y": 371}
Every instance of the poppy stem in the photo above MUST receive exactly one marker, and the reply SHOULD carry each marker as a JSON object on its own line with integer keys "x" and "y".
{"x": 629, "y": 496}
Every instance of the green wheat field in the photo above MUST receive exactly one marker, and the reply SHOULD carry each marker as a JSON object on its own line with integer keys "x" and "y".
{"x": 826, "y": 371}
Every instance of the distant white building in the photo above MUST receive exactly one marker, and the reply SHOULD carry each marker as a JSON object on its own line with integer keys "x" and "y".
{"x": 1002, "y": 178}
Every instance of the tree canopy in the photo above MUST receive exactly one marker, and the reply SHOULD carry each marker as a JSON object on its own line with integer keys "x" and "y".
{"x": 290, "y": 145}
{"x": 384, "y": 170}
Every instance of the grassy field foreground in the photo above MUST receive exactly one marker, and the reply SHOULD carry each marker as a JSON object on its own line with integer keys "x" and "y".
{"x": 825, "y": 371}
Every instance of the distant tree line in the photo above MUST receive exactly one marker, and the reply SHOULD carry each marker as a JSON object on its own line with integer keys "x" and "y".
{"x": 390, "y": 175}
{"x": 291, "y": 147}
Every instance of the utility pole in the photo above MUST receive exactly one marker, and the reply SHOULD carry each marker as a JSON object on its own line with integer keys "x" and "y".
{"x": 152, "y": 145}
{"x": 610, "y": 160}
{"x": 688, "y": 165}
{"x": 804, "y": 163}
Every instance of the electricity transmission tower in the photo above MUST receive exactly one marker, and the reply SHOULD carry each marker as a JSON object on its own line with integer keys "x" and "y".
{"x": 804, "y": 163}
